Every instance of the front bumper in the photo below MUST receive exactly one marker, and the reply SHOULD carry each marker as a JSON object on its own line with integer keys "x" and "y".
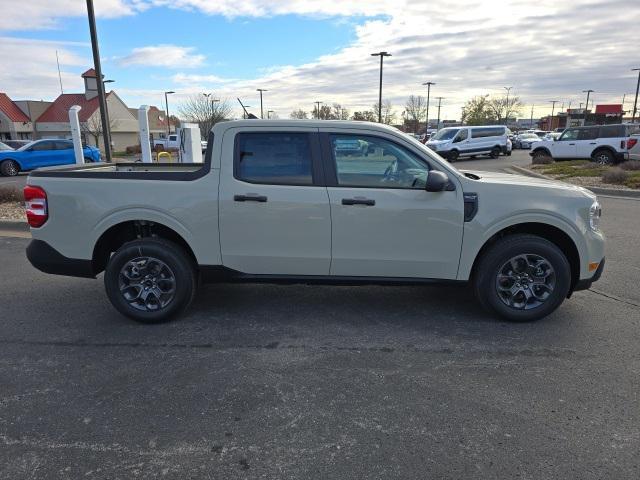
{"x": 48, "y": 260}
{"x": 586, "y": 283}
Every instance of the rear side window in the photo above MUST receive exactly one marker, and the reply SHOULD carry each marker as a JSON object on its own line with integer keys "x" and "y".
{"x": 274, "y": 158}
{"x": 587, "y": 134}
{"x": 482, "y": 132}
{"x": 612, "y": 131}
{"x": 42, "y": 146}
{"x": 63, "y": 145}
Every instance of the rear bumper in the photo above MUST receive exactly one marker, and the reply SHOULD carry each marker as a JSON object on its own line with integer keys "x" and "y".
{"x": 587, "y": 282}
{"x": 48, "y": 260}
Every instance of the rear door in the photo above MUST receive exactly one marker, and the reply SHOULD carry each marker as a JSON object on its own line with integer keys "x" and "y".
{"x": 384, "y": 223}
{"x": 274, "y": 209}
{"x": 65, "y": 154}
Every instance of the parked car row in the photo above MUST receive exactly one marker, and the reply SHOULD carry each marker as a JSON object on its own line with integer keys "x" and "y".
{"x": 42, "y": 153}
{"x": 456, "y": 142}
{"x": 604, "y": 144}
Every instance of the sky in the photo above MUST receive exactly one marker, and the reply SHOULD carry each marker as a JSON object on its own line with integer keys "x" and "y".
{"x": 304, "y": 51}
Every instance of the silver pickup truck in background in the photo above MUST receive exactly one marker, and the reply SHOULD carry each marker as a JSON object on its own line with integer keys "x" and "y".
{"x": 285, "y": 201}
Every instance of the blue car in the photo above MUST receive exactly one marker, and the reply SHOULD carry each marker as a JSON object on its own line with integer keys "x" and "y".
{"x": 42, "y": 153}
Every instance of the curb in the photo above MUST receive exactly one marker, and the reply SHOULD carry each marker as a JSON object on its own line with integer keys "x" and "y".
{"x": 14, "y": 226}
{"x": 614, "y": 192}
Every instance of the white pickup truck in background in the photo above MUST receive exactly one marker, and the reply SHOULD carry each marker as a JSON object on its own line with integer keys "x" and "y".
{"x": 297, "y": 202}
{"x": 172, "y": 142}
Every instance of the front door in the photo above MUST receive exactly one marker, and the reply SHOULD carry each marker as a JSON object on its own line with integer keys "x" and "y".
{"x": 384, "y": 223}
{"x": 274, "y": 210}
{"x": 565, "y": 146}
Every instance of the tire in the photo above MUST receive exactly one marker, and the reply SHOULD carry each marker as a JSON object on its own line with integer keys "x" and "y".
{"x": 492, "y": 279}
{"x": 170, "y": 269}
{"x": 453, "y": 155}
{"x": 540, "y": 154}
{"x": 9, "y": 168}
{"x": 495, "y": 152}
{"x": 88, "y": 160}
{"x": 603, "y": 157}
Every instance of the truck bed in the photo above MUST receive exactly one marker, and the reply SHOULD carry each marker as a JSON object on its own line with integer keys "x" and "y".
{"x": 160, "y": 171}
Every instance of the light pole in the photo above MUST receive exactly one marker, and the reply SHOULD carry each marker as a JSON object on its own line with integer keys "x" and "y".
{"x": 439, "y": 103}
{"x": 635, "y": 103}
{"x": 269, "y": 112}
{"x": 166, "y": 104}
{"x": 588, "y": 92}
{"x": 553, "y": 108}
{"x": 381, "y": 55}
{"x": 261, "y": 90}
{"x": 531, "y": 119}
{"x": 426, "y": 124}
{"x": 106, "y": 134}
{"x": 213, "y": 100}
{"x": 318, "y": 109}
{"x": 506, "y": 107}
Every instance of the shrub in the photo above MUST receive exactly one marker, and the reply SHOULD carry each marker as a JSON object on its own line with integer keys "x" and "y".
{"x": 542, "y": 160}
{"x": 615, "y": 175}
{"x": 630, "y": 165}
{"x": 133, "y": 149}
{"x": 11, "y": 193}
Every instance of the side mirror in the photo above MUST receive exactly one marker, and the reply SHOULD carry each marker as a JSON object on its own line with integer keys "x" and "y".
{"x": 436, "y": 181}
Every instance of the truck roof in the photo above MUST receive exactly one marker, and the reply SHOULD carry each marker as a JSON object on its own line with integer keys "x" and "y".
{"x": 303, "y": 123}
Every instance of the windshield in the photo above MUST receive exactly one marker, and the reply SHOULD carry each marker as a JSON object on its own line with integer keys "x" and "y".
{"x": 24, "y": 147}
{"x": 528, "y": 135}
{"x": 446, "y": 134}
{"x": 4, "y": 146}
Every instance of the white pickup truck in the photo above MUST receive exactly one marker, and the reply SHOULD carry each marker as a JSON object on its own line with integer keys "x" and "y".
{"x": 281, "y": 201}
{"x": 172, "y": 142}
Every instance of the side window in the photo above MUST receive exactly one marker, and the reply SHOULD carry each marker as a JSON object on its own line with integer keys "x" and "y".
{"x": 462, "y": 135}
{"x": 570, "y": 134}
{"x": 588, "y": 134}
{"x": 611, "y": 131}
{"x": 64, "y": 145}
{"x": 273, "y": 158}
{"x": 367, "y": 161}
{"x": 42, "y": 146}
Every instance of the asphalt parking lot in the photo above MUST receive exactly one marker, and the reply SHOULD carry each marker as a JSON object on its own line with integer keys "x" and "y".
{"x": 260, "y": 381}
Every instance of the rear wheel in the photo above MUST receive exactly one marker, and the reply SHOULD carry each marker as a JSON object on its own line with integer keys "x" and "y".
{"x": 495, "y": 152}
{"x": 453, "y": 155}
{"x": 150, "y": 280}
{"x": 522, "y": 278}
{"x": 9, "y": 168}
{"x": 603, "y": 157}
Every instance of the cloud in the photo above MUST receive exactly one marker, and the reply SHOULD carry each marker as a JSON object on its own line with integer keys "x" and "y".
{"x": 170, "y": 56}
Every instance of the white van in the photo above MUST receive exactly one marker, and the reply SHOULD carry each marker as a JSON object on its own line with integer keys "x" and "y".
{"x": 454, "y": 142}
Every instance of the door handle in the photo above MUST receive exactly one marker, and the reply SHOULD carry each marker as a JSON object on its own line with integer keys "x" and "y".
{"x": 572, "y": 144}
{"x": 358, "y": 201}
{"x": 250, "y": 198}
{"x": 593, "y": 143}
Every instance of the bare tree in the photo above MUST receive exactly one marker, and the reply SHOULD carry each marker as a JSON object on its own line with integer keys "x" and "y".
{"x": 93, "y": 127}
{"x": 299, "y": 114}
{"x": 388, "y": 115}
{"x": 504, "y": 108}
{"x": 416, "y": 110}
{"x": 339, "y": 112}
{"x": 365, "y": 116}
{"x": 205, "y": 112}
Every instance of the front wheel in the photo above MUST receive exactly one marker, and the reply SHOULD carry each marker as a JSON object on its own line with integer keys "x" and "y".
{"x": 9, "y": 168}
{"x": 453, "y": 156}
{"x": 522, "y": 278}
{"x": 150, "y": 280}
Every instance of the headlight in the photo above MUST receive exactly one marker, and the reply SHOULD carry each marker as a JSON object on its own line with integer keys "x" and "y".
{"x": 595, "y": 212}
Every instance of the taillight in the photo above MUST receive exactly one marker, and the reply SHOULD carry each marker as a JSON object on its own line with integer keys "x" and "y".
{"x": 631, "y": 143}
{"x": 35, "y": 199}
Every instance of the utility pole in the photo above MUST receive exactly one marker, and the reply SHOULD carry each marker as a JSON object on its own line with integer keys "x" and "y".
{"x": 381, "y": 55}
{"x": 588, "y": 92}
{"x": 106, "y": 134}
{"x": 428, "y": 84}
{"x": 269, "y": 112}
{"x": 553, "y": 108}
{"x": 166, "y": 104}
{"x": 59, "y": 75}
{"x": 635, "y": 103}
{"x": 261, "y": 90}
{"x": 506, "y": 107}
{"x": 318, "y": 109}
{"x": 531, "y": 119}
{"x": 439, "y": 103}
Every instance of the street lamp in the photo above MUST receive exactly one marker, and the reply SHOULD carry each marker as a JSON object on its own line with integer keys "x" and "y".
{"x": 588, "y": 92}
{"x": 635, "y": 103}
{"x": 438, "y": 123}
{"x": 506, "y": 113}
{"x": 106, "y": 134}
{"x": 213, "y": 100}
{"x": 166, "y": 104}
{"x": 261, "y": 90}
{"x": 269, "y": 112}
{"x": 381, "y": 55}
{"x": 428, "y": 84}
{"x": 553, "y": 108}
{"x": 318, "y": 109}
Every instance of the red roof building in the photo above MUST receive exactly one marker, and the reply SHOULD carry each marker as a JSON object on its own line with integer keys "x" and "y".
{"x": 14, "y": 123}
